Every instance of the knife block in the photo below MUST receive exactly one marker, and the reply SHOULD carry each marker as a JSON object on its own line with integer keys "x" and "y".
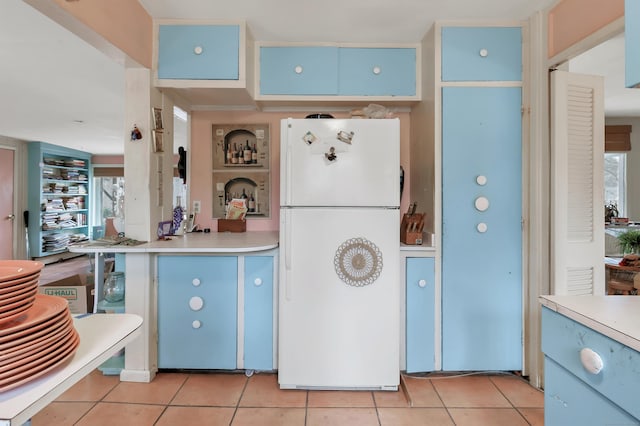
{"x": 411, "y": 229}
{"x": 232, "y": 225}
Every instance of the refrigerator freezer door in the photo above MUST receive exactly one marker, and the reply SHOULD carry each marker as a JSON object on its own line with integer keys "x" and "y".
{"x": 339, "y": 298}
{"x": 364, "y": 172}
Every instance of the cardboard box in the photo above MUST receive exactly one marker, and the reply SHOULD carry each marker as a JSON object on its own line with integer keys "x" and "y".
{"x": 78, "y": 293}
{"x": 228, "y": 225}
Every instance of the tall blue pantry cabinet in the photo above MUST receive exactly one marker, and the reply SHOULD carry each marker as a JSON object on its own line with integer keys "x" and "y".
{"x": 58, "y": 198}
{"x": 481, "y": 198}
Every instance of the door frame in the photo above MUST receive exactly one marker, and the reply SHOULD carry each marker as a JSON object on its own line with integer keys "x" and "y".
{"x": 19, "y": 192}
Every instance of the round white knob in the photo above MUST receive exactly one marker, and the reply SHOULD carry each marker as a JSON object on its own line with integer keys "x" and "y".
{"x": 377, "y": 70}
{"x": 482, "y": 227}
{"x": 481, "y": 180}
{"x": 484, "y": 53}
{"x": 591, "y": 361}
{"x": 422, "y": 283}
{"x": 482, "y": 203}
{"x": 196, "y": 324}
{"x": 196, "y": 303}
{"x": 258, "y": 281}
{"x": 195, "y": 282}
{"x": 298, "y": 69}
{"x": 197, "y": 50}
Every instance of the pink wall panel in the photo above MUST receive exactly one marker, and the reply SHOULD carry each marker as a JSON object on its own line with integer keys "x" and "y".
{"x": 200, "y": 171}
{"x": 572, "y": 20}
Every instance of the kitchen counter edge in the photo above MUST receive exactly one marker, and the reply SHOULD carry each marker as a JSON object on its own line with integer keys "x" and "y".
{"x": 616, "y": 317}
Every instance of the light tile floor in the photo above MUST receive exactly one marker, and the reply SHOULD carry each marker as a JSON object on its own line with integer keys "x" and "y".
{"x": 234, "y": 399}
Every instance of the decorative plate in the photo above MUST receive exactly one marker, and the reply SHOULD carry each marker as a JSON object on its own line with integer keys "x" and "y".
{"x": 358, "y": 262}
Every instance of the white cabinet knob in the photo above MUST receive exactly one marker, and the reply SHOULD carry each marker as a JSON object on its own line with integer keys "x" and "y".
{"x": 591, "y": 361}
{"x": 482, "y": 203}
{"x": 196, "y": 303}
{"x": 481, "y": 180}
{"x": 484, "y": 53}
{"x": 196, "y": 324}
{"x": 197, "y": 50}
{"x": 195, "y": 282}
{"x": 422, "y": 283}
{"x": 258, "y": 281}
{"x": 377, "y": 70}
{"x": 482, "y": 227}
{"x": 298, "y": 69}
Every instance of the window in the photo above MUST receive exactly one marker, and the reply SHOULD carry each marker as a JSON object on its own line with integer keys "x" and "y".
{"x": 108, "y": 202}
{"x": 615, "y": 181}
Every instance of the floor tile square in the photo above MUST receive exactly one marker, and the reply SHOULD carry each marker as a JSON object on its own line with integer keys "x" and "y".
{"x": 109, "y": 414}
{"x": 269, "y": 417}
{"x": 93, "y": 387}
{"x": 469, "y": 391}
{"x": 263, "y": 391}
{"x": 518, "y": 391}
{"x": 422, "y": 393}
{"x": 391, "y": 399}
{"x": 340, "y": 399}
{"x": 535, "y": 416}
{"x": 61, "y": 413}
{"x": 217, "y": 390}
{"x": 210, "y": 416}
{"x": 160, "y": 391}
{"x": 414, "y": 417}
{"x": 487, "y": 417}
{"x": 342, "y": 416}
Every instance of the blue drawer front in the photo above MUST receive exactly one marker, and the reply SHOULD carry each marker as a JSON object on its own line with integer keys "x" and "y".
{"x": 619, "y": 381}
{"x": 569, "y": 401}
{"x": 482, "y": 288}
{"x": 462, "y": 61}
{"x": 213, "y": 345}
{"x": 319, "y": 74}
{"x": 420, "y": 315}
{"x": 219, "y": 58}
{"x": 396, "y": 77}
{"x": 258, "y": 313}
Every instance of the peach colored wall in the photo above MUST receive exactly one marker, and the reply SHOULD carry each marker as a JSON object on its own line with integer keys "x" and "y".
{"x": 124, "y": 23}
{"x": 572, "y": 20}
{"x": 200, "y": 167}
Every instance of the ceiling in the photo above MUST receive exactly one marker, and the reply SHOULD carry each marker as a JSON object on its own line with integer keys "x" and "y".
{"x": 56, "y": 88}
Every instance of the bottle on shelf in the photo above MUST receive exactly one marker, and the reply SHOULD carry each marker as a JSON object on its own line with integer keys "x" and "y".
{"x": 244, "y": 194}
{"x": 240, "y": 154}
{"x": 228, "y": 154}
{"x": 234, "y": 155}
{"x": 254, "y": 154}
{"x": 252, "y": 203}
{"x": 247, "y": 153}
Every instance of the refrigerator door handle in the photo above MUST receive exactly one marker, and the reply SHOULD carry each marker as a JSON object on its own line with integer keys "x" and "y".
{"x": 288, "y": 291}
{"x": 287, "y": 176}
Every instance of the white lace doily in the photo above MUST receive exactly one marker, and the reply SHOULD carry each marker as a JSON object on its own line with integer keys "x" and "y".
{"x": 358, "y": 262}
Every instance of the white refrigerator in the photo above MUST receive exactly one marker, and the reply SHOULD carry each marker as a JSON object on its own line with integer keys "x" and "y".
{"x": 339, "y": 254}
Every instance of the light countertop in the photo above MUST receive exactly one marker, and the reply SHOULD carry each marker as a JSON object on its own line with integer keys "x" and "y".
{"x": 616, "y": 317}
{"x": 197, "y": 242}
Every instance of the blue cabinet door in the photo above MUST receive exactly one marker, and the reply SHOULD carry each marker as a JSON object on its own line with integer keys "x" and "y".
{"x": 631, "y": 43}
{"x": 188, "y": 337}
{"x": 481, "y": 54}
{"x": 258, "y": 312}
{"x": 377, "y": 72}
{"x": 299, "y": 70}
{"x": 420, "y": 304}
{"x": 198, "y": 52}
{"x": 481, "y": 239}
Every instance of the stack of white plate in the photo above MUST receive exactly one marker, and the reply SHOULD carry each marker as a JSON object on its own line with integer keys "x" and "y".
{"x": 36, "y": 330}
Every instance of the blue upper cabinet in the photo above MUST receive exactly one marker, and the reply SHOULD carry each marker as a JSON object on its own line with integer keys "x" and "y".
{"x": 377, "y": 72}
{"x": 198, "y": 52}
{"x": 339, "y": 72}
{"x": 481, "y": 54}
{"x": 299, "y": 70}
{"x": 631, "y": 43}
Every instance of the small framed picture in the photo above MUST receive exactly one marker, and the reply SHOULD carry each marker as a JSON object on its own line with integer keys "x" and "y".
{"x": 157, "y": 141}
{"x": 157, "y": 118}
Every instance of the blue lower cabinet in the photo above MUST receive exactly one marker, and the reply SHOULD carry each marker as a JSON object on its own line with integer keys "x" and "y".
{"x": 197, "y": 312}
{"x": 258, "y": 312}
{"x": 420, "y": 313}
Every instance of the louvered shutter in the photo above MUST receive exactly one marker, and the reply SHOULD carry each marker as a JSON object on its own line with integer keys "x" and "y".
{"x": 577, "y": 184}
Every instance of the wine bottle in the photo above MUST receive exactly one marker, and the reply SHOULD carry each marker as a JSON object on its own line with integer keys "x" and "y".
{"x": 234, "y": 157}
{"x": 244, "y": 194}
{"x": 254, "y": 154}
{"x": 228, "y": 154}
{"x": 252, "y": 203}
{"x": 247, "y": 153}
